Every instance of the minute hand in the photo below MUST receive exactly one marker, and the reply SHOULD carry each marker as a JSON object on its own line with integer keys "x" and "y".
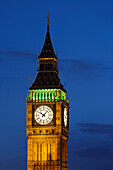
{"x": 43, "y": 114}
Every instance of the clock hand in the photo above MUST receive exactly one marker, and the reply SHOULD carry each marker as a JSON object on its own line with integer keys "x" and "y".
{"x": 42, "y": 114}
{"x": 45, "y": 113}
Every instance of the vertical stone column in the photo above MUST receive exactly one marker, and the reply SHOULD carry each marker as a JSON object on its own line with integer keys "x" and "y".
{"x": 43, "y": 95}
{"x": 37, "y": 96}
{"x": 52, "y": 95}
{"x": 40, "y": 96}
{"x": 46, "y": 95}
{"x": 33, "y": 96}
{"x": 49, "y": 95}
{"x": 29, "y": 154}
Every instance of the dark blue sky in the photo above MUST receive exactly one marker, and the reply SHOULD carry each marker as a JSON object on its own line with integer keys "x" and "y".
{"x": 82, "y": 35}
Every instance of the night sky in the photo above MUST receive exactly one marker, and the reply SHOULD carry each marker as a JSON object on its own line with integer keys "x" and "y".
{"x": 82, "y": 36}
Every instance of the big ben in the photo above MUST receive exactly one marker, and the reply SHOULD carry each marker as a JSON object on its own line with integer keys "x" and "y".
{"x": 47, "y": 119}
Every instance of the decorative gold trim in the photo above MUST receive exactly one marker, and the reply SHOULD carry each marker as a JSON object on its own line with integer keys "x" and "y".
{"x": 48, "y": 71}
{"x": 48, "y": 59}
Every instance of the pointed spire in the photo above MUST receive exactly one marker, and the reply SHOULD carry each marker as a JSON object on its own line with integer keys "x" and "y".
{"x": 47, "y": 77}
{"x": 48, "y": 19}
{"x": 47, "y": 50}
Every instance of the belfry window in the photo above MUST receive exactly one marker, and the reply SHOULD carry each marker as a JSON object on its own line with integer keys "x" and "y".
{"x": 51, "y": 96}
{"x": 41, "y": 95}
{"x": 38, "y": 96}
{"x": 35, "y": 96}
{"x": 47, "y": 96}
{"x": 44, "y": 96}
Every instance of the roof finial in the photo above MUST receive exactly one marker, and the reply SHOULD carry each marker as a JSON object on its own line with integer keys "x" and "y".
{"x": 65, "y": 85}
{"x": 29, "y": 81}
{"x": 48, "y": 19}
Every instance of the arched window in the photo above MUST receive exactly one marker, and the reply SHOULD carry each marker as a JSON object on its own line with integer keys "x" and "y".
{"x": 47, "y": 96}
{"x": 35, "y": 96}
{"x": 41, "y": 95}
{"x": 44, "y": 96}
{"x": 50, "y": 95}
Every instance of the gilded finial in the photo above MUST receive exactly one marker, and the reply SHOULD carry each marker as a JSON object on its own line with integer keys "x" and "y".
{"x": 29, "y": 81}
{"x": 48, "y": 19}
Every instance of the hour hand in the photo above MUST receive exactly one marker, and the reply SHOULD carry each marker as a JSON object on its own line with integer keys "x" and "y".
{"x": 43, "y": 114}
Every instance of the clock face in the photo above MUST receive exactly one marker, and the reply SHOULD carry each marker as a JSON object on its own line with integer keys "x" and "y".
{"x": 65, "y": 117}
{"x": 43, "y": 115}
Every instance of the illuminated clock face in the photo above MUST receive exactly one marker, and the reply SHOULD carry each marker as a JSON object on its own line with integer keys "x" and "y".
{"x": 43, "y": 115}
{"x": 65, "y": 117}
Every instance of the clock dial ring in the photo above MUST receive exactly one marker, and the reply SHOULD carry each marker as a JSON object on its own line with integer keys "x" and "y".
{"x": 43, "y": 115}
{"x": 65, "y": 117}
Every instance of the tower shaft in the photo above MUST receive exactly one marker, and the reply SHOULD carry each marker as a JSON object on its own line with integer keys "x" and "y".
{"x": 47, "y": 119}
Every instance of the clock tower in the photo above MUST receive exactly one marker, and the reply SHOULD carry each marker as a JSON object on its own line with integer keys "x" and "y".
{"x": 47, "y": 119}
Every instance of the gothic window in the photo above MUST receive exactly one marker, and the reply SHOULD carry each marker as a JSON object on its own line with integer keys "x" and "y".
{"x": 47, "y": 95}
{"x": 51, "y": 96}
{"x": 35, "y": 96}
{"x": 44, "y": 96}
{"x": 41, "y": 95}
{"x": 38, "y": 96}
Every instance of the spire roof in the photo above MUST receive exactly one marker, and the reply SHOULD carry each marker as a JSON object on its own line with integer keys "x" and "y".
{"x": 48, "y": 76}
{"x": 47, "y": 50}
